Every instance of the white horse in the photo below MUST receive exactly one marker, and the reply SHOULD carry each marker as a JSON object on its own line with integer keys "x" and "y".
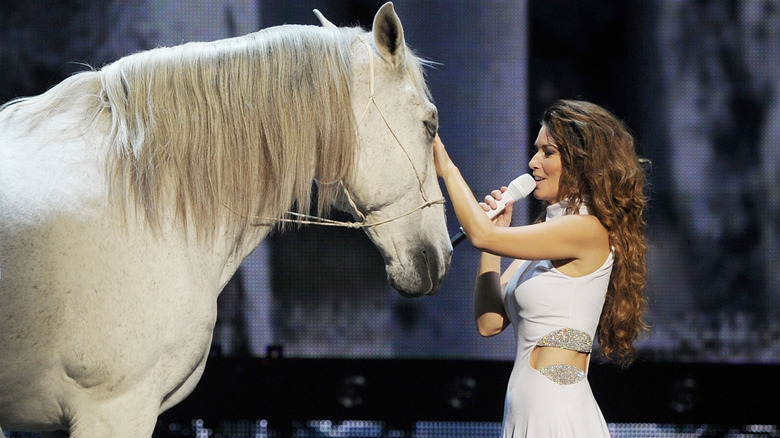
{"x": 130, "y": 195}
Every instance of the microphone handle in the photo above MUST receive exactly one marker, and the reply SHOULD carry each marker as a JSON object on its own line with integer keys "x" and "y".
{"x": 458, "y": 237}
{"x": 500, "y": 206}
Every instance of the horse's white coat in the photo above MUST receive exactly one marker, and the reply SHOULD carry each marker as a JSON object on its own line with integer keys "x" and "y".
{"x": 105, "y": 324}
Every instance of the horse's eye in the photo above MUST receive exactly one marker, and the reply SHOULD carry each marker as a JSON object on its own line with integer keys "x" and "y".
{"x": 431, "y": 127}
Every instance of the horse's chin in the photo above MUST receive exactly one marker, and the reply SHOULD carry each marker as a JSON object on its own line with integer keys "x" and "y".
{"x": 424, "y": 278}
{"x": 408, "y": 290}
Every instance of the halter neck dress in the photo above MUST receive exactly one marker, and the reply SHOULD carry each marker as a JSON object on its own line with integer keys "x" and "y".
{"x": 549, "y": 308}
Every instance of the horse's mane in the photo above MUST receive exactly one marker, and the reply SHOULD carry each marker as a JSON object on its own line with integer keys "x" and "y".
{"x": 241, "y": 125}
{"x": 225, "y": 131}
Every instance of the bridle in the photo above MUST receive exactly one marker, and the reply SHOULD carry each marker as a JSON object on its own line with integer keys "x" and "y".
{"x": 300, "y": 218}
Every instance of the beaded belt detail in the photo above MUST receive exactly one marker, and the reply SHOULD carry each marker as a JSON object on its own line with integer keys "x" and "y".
{"x": 563, "y": 374}
{"x": 568, "y": 339}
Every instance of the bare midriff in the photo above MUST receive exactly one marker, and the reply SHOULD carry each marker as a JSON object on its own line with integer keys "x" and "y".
{"x": 545, "y": 356}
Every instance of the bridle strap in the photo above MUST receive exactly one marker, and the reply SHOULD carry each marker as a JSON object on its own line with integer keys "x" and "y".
{"x": 371, "y": 93}
{"x": 372, "y": 100}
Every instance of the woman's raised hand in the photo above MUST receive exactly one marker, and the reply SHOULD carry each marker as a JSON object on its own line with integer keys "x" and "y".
{"x": 440, "y": 157}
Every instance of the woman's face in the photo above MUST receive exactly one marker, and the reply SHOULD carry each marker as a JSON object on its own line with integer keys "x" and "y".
{"x": 546, "y": 168}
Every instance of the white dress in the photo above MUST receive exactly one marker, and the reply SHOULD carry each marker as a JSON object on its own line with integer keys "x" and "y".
{"x": 547, "y": 307}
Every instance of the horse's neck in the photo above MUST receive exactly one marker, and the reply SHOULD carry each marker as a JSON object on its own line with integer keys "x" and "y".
{"x": 237, "y": 253}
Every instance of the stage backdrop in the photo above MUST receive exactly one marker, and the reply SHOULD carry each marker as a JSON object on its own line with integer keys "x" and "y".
{"x": 698, "y": 83}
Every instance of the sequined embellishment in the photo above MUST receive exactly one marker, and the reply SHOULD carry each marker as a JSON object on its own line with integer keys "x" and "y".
{"x": 568, "y": 339}
{"x": 563, "y": 374}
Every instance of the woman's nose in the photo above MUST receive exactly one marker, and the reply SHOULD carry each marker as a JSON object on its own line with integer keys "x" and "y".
{"x": 534, "y": 163}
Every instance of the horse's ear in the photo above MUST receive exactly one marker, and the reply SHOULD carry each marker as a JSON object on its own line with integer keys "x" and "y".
{"x": 324, "y": 21}
{"x": 389, "y": 35}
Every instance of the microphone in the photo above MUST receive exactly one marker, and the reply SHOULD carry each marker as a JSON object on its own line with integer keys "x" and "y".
{"x": 518, "y": 189}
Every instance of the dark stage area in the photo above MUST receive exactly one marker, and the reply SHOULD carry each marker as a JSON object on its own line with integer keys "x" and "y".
{"x": 404, "y": 398}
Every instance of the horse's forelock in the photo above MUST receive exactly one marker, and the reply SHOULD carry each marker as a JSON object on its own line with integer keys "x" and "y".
{"x": 415, "y": 68}
{"x": 219, "y": 129}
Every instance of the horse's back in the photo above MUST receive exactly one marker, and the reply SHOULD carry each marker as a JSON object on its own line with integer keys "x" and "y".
{"x": 49, "y": 149}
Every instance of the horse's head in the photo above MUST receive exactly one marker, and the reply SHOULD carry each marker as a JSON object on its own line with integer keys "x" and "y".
{"x": 394, "y": 186}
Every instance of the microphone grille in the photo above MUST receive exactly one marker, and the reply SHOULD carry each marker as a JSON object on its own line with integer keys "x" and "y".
{"x": 521, "y": 186}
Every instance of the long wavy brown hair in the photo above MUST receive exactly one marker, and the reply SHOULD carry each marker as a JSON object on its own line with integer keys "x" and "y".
{"x": 602, "y": 171}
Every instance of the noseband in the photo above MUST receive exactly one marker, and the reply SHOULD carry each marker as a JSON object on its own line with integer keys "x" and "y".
{"x": 316, "y": 220}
